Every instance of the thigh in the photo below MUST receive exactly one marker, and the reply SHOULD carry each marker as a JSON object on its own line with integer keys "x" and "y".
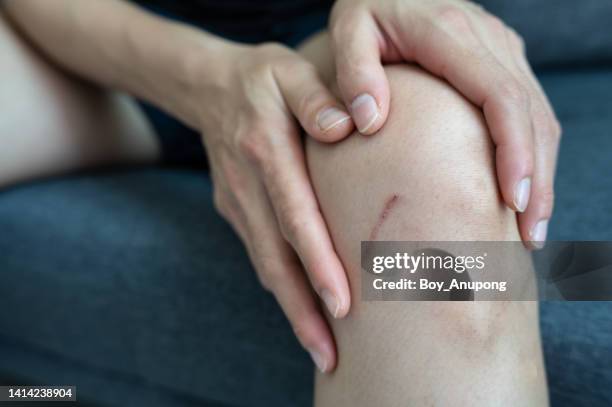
{"x": 434, "y": 161}
{"x": 51, "y": 122}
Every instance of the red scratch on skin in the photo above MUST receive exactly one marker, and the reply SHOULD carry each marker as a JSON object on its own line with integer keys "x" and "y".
{"x": 391, "y": 201}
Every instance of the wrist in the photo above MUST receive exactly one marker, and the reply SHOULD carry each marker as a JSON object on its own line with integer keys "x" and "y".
{"x": 173, "y": 65}
{"x": 205, "y": 72}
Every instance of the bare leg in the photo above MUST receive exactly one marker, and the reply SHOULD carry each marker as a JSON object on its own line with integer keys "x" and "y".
{"x": 435, "y": 155}
{"x": 52, "y": 123}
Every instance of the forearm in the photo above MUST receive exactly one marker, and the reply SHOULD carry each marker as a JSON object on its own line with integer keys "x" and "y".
{"x": 117, "y": 45}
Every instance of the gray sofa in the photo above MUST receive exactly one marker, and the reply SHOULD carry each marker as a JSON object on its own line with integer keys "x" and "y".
{"x": 129, "y": 286}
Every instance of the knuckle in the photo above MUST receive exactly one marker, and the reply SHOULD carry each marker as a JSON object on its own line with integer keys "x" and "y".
{"x": 237, "y": 193}
{"x": 251, "y": 147}
{"x": 257, "y": 68}
{"x": 541, "y": 120}
{"x": 496, "y": 25}
{"x": 219, "y": 203}
{"x": 557, "y": 129}
{"x": 264, "y": 281}
{"x": 288, "y": 64}
{"x": 270, "y": 275}
{"x": 265, "y": 265}
{"x": 453, "y": 17}
{"x": 517, "y": 40}
{"x": 307, "y": 68}
{"x": 293, "y": 225}
{"x": 511, "y": 90}
{"x": 549, "y": 128}
{"x": 547, "y": 199}
{"x": 285, "y": 66}
{"x": 272, "y": 56}
{"x": 271, "y": 49}
{"x": 477, "y": 7}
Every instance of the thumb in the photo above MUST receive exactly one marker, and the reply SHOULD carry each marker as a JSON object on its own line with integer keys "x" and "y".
{"x": 361, "y": 78}
{"x": 320, "y": 114}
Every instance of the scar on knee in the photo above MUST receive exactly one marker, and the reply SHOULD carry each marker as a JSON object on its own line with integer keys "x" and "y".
{"x": 389, "y": 204}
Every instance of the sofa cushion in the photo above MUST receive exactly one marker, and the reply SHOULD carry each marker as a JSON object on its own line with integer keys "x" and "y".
{"x": 135, "y": 274}
{"x": 561, "y": 31}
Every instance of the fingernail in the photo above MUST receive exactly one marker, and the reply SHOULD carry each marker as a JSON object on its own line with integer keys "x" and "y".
{"x": 331, "y": 117}
{"x": 331, "y": 302}
{"x": 364, "y": 111}
{"x": 318, "y": 360}
{"x": 521, "y": 194}
{"x": 538, "y": 234}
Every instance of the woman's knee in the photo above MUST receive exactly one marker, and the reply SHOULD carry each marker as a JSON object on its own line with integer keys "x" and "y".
{"x": 432, "y": 162}
{"x": 427, "y": 175}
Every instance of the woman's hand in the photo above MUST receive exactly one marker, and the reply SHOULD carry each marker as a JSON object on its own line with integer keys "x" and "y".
{"x": 245, "y": 100}
{"x": 478, "y": 55}
{"x": 248, "y": 121}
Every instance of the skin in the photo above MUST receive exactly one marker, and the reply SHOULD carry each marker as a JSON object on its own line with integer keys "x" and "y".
{"x": 428, "y": 176}
{"x": 442, "y": 36}
{"x": 262, "y": 184}
{"x": 77, "y": 125}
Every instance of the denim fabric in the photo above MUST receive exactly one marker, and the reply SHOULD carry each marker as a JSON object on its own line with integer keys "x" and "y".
{"x": 130, "y": 282}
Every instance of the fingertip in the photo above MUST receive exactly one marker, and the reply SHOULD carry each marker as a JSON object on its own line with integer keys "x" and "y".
{"x": 331, "y": 359}
{"x": 365, "y": 90}
{"x": 343, "y": 311}
{"x": 538, "y": 234}
{"x": 339, "y": 303}
{"x": 522, "y": 192}
{"x": 333, "y": 124}
{"x": 320, "y": 347}
{"x": 516, "y": 193}
{"x": 337, "y": 306}
{"x": 534, "y": 238}
{"x": 533, "y": 224}
{"x": 324, "y": 358}
{"x": 514, "y": 174}
{"x": 367, "y": 113}
{"x": 344, "y": 306}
